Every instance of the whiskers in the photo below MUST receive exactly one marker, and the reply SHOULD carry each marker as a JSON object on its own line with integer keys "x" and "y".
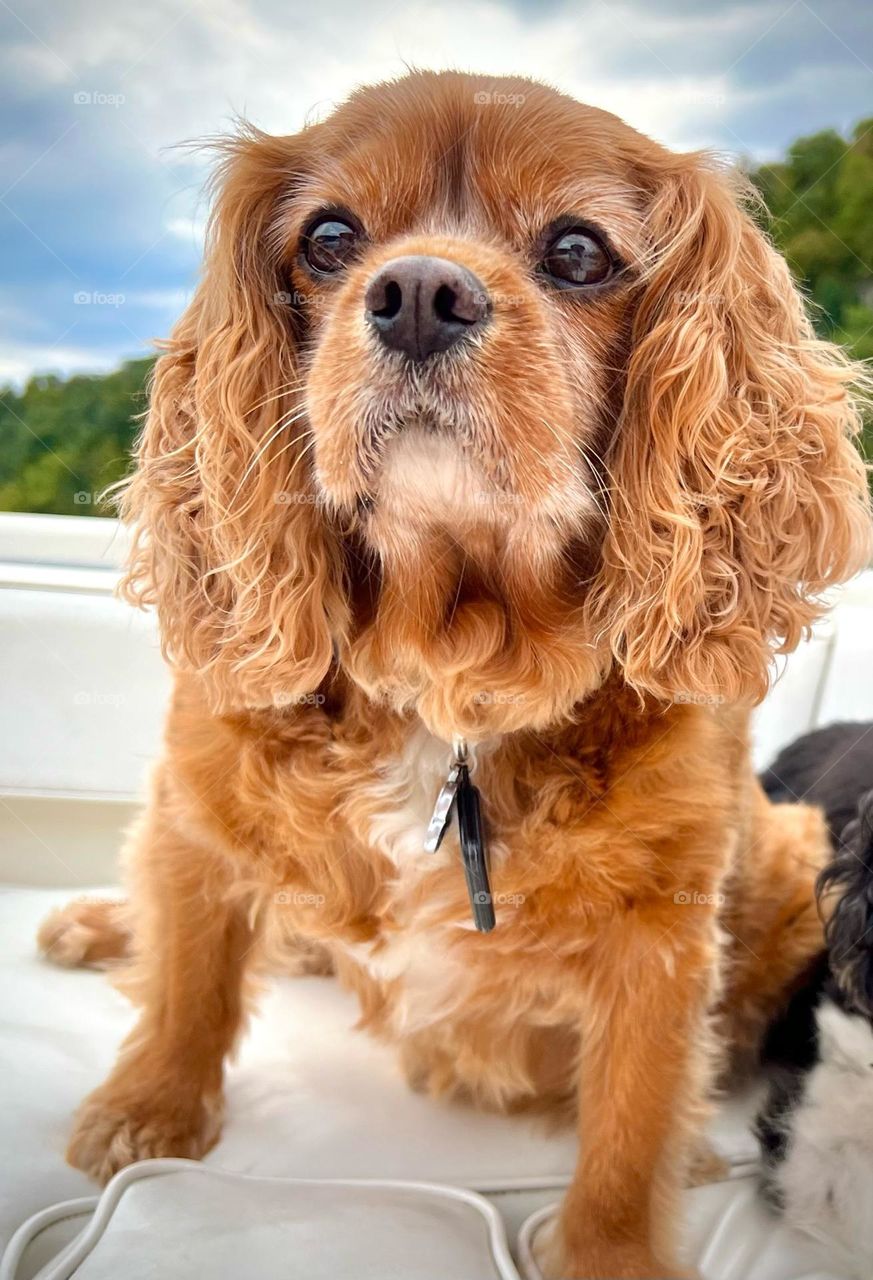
{"x": 288, "y": 419}
{"x": 235, "y": 509}
{"x": 594, "y": 465}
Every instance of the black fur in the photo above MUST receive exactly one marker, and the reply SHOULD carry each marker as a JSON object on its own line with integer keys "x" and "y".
{"x": 833, "y": 768}
{"x": 790, "y": 1052}
{"x": 849, "y": 930}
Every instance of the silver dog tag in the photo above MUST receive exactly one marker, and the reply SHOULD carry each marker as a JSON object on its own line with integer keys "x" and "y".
{"x": 442, "y": 810}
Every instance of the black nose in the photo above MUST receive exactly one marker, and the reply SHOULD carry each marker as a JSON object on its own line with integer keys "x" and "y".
{"x": 420, "y": 305}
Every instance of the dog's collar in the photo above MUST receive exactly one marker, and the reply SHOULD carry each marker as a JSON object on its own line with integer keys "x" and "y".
{"x": 458, "y": 792}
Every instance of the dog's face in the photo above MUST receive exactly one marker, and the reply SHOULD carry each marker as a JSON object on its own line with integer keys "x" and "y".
{"x": 483, "y": 395}
{"x": 466, "y": 269}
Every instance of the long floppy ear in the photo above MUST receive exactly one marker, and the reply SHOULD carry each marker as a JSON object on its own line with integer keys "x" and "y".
{"x": 739, "y": 495}
{"x": 229, "y": 542}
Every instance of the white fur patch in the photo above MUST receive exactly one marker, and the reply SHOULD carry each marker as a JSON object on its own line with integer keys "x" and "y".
{"x": 429, "y": 478}
{"x": 406, "y": 794}
{"x": 826, "y": 1180}
{"x": 427, "y": 473}
{"x": 432, "y": 980}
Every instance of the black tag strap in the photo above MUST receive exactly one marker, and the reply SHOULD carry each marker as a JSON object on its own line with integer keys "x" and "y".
{"x": 473, "y": 851}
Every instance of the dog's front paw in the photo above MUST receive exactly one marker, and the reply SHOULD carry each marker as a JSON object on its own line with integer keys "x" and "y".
{"x": 114, "y": 1128}
{"x": 598, "y": 1259}
{"x": 86, "y": 934}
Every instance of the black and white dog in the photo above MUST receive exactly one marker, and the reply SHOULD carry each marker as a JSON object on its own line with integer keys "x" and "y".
{"x": 816, "y": 1127}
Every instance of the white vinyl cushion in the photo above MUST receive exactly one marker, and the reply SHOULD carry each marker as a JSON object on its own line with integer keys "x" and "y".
{"x": 84, "y": 684}
{"x": 174, "y": 1219}
{"x": 309, "y": 1097}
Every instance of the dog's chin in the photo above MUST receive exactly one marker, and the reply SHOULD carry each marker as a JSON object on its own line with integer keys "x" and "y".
{"x": 426, "y": 480}
{"x": 430, "y": 490}
{"x": 425, "y": 490}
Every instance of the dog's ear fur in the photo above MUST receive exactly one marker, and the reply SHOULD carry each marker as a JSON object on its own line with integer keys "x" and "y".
{"x": 228, "y": 542}
{"x": 738, "y": 492}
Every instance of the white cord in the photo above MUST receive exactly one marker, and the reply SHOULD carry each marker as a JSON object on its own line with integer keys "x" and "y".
{"x": 30, "y": 1229}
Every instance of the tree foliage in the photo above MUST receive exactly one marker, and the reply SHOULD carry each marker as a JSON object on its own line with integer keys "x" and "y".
{"x": 820, "y": 205}
{"x": 63, "y": 440}
{"x": 820, "y": 199}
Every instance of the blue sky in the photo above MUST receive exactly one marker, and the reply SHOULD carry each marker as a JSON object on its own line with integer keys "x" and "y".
{"x": 101, "y": 212}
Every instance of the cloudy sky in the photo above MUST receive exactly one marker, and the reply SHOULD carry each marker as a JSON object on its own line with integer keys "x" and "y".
{"x": 101, "y": 213}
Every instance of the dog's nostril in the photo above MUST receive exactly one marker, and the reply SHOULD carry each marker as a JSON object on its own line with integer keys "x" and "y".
{"x": 447, "y": 306}
{"x": 393, "y": 301}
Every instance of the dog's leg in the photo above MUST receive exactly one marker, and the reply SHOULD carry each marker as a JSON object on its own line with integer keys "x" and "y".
{"x": 645, "y": 1068}
{"x": 163, "y": 1097}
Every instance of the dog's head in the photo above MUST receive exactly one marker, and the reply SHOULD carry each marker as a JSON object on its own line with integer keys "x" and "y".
{"x": 482, "y": 395}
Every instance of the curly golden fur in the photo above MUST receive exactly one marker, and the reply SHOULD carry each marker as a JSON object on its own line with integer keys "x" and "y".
{"x": 576, "y": 539}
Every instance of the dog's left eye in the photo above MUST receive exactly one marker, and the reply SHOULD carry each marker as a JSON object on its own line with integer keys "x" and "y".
{"x": 328, "y": 244}
{"x": 577, "y": 257}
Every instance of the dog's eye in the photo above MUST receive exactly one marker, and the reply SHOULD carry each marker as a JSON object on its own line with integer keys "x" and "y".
{"x": 577, "y": 257}
{"x": 328, "y": 244}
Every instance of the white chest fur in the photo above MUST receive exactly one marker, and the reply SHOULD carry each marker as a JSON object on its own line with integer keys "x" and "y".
{"x": 404, "y": 797}
{"x": 401, "y": 802}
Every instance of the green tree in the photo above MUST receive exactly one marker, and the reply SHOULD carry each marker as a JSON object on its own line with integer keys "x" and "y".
{"x": 820, "y": 205}
{"x": 63, "y": 440}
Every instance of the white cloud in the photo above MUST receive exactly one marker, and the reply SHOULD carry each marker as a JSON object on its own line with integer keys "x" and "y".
{"x": 185, "y": 73}
{"x": 191, "y": 230}
{"x": 163, "y": 299}
{"x": 18, "y": 360}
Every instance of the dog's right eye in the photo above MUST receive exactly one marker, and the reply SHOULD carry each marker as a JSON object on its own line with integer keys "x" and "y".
{"x": 328, "y": 243}
{"x": 577, "y": 258}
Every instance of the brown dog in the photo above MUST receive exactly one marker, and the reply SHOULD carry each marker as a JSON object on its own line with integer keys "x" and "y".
{"x": 490, "y": 418}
